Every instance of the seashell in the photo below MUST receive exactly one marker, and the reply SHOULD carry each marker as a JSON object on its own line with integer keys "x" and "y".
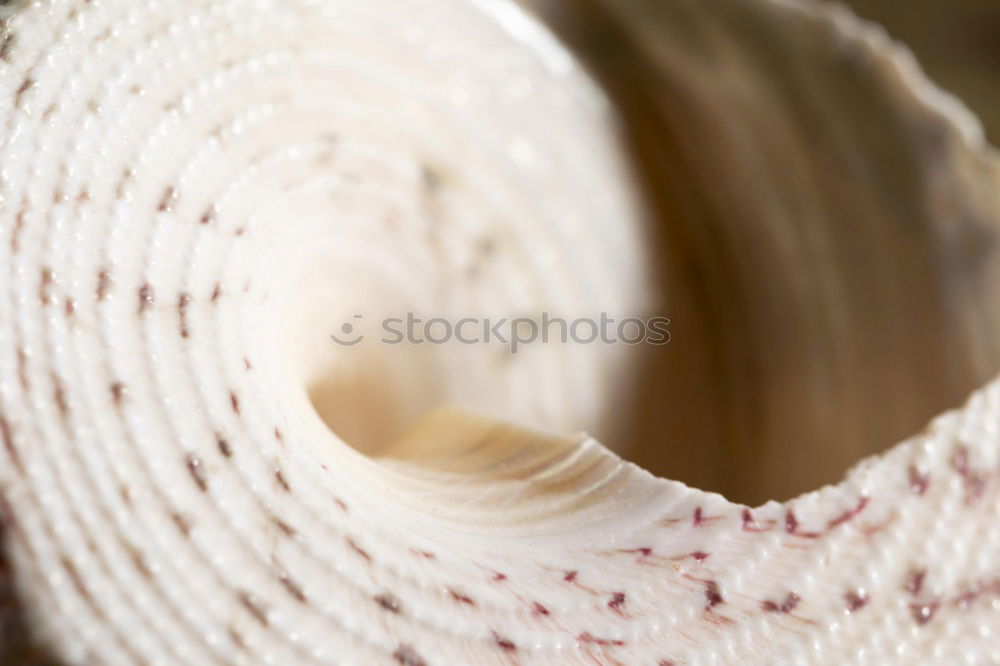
{"x": 194, "y": 196}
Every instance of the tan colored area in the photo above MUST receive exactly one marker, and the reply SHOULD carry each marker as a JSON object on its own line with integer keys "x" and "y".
{"x": 828, "y": 249}
{"x": 958, "y": 43}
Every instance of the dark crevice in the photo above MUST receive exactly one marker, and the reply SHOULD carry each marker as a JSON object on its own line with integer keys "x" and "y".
{"x": 19, "y": 645}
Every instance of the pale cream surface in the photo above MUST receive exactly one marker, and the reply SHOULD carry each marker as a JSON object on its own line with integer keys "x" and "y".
{"x": 196, "y": 195}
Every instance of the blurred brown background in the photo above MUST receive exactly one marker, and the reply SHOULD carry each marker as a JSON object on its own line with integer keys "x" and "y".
{"x": 956, "y": 41}
{"x": 717, "y": 94}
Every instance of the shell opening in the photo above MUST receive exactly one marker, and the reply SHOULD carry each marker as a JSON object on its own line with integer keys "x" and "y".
{"x": 822, "y": 306}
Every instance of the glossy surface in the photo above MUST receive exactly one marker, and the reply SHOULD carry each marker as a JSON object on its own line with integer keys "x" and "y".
{"x": 195, "y": 195}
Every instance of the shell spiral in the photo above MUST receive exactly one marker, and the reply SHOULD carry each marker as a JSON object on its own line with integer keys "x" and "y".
{"x": 193, "y": 195}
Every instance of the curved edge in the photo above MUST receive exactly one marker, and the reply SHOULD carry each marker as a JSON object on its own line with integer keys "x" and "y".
{"x": 944, "y": 104}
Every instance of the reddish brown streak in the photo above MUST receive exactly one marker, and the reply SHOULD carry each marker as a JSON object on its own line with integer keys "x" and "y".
{"x": 19, "y": 221}
{"x": 8, "y": 441}
{"x": 919, "y": 481}
{"x": 850, "y": 514}
{"x": 285, "y": 528}
{"x": 791, "y": 522}
{"x": 713, "y": 595}
{"x": 167, "y": 201}
{"x": 182, "y": 523}
{"x": 856, "y": 600}
{"x": 960, "y": 461}
{"x": 103, "y": 285}
{"x": 358, "y": 549}
{"x": 698, "y": 519}
{"x": 280, "y": 478}
{"x": 538, "y": 609}
{"x": 587, "y": 637}
{"x": 388, "y": 602}
{"x": 45, "y": 286}
{"x": 617, "y": 603}
{"x": 504, "y": 643}
{"x": 182, "y": 308}
{"x": 197, "y": 472}
{"x": 254, "y": 608}
{"x": 405, "y": 656}
{"x": 293, "y": 589}
{"x": 59, "y": 395}
{"x": 77, "y": 580}
{"x": 127, "y": 176}
{"x": 643, "y": 553}
{"x": 22, "y": 370}
{"x": 146, "y": 298}
{"x": 460, "y": 598}
{"x": 698, "y": 556}
{"x": 871, "y": 530}
{"x": 792, "y": 527}
{"x": 237, "y": 638}
{"x": 7, "y": 47}
{"x": 924, "y": 613}
{"x": 915, "y": 581}
{"x": 970, "y": 595}
{"x": 787, "y": 605}
{"x": 976, "y": 589}
{"x": 750, "y": 524}
{"x": 26, "y": 85}
{"x": 975, "y": 487}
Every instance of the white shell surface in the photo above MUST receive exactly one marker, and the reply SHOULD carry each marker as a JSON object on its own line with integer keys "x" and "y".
{"x": 194, "y": 195}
